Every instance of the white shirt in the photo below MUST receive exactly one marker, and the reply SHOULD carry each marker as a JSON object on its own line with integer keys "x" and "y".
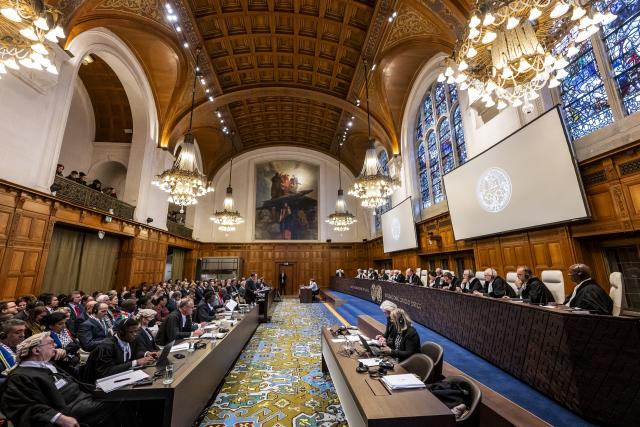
{"x": 575, "y": 291}
{"x": 126, "y": 349}
{"x": 313, "y": 286}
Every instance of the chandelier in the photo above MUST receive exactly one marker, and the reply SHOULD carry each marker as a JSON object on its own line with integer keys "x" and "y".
{"x": 506, "y": 55}
{"x": 227, "y": 218}
{"x": 184, "y": 182}
{"x": 24, "y": 27}
{"x": 341, "y": 219}
{"x": 373, "y": 186}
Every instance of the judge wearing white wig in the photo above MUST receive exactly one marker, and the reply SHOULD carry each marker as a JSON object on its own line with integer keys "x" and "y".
{"x": 387, "y": 307}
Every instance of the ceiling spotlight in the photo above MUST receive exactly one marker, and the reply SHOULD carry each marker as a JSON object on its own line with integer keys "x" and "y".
{"x": 178, "y": 28}
{"x": 349, "y": 124}
{"x": 218, "y": 114}
{"x": 211, "y": 98}
{"x": 185, "y": 44}
{"x": 373, "y": 67}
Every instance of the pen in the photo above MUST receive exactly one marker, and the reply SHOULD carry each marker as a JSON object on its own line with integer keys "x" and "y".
{"x": 121, "y": 380}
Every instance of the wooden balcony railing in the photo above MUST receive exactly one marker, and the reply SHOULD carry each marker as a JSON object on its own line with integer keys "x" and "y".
{"x": 179, "y": 229}
{"x": 82, "y": 195}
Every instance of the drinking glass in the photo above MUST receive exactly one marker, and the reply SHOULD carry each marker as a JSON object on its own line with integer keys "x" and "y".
{"x": 192, "y": 346}
{"x": 168, "y": 375}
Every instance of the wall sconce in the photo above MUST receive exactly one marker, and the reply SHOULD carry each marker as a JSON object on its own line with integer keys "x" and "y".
{"x": 108, "y": 218}
{"x": 101, "y": 234}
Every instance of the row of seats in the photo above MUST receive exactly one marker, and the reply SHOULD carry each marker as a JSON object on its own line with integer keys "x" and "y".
{"x": 427, "y": 365}
{"x": 553, "y": 279}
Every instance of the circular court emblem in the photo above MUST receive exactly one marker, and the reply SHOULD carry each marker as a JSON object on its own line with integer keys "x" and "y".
{"x": 493, "y": 190}
{"x": 376, "y": 293}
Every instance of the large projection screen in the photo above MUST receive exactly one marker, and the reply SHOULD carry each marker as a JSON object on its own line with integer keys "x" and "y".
{"x": 398, "y": 228}
{"x": 529, "y": 179}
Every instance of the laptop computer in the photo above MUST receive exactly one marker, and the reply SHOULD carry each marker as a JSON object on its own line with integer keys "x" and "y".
{"x": 373, "y": 351}
{"x": 162, "y": 360}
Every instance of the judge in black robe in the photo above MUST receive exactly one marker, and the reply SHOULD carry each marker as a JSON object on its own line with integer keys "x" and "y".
{"x": 590, "y": 296}
{"x": 536, "y": 292}
{"x": 450, "y": 282}
{"x": 498, "y": 288}
{"x": 471, "y": 284}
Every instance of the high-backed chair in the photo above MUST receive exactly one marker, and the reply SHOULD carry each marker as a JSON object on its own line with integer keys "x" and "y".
{"x": 418, "y": 271}
{"x": 555, "y": 283}
{"x": 424, "y": 277}
{"x": 616, "y": 291}
{"x": 420, "y": 365}
{"x": 480, "y": 276}
{"x": 435, "y": 352}
{"x": 511, "y": 281}
{"x": 470, "y": 417}
{"x": 388, "y": 273}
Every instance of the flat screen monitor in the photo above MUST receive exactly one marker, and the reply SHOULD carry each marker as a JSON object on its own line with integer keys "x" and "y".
{"x": 398, "y": 228}
{"x": 527, "y": 180}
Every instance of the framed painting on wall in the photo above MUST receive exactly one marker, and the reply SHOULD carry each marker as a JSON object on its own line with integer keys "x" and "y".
{"x": 286, "y": 200}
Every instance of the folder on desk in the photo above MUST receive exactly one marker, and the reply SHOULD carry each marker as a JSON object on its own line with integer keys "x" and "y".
{"x": 402, "y": 382}
{"x": 114, "y": 382}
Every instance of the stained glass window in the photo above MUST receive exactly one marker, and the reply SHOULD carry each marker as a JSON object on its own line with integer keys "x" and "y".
{"x": 622, "y": 39}
{"x": 439, "y": 149}
{"x": 441, "y": 99}
{"x": 461, "y": 148}
{"x": 583, "y": 93}
{"x": 383, "y": 158}
{"x": 446, "y": 148}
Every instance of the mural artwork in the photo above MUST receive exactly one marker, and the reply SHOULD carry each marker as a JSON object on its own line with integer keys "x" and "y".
{"x": 286, "y": 201}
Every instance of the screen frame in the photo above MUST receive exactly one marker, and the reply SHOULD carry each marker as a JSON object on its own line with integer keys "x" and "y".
{"x": 576, "y": 169}
{"x": 415, "y": 231}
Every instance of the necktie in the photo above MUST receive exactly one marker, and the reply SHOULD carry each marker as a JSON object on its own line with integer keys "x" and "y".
{"x": 77, "y": 310}
{"x": 126, "y": 353}
{"x": 490, "y": 287}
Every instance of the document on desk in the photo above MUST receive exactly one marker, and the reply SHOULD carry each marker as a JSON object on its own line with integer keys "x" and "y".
{"x": 402, "y": 382}
{"x": 114, "y": 382}
{"x": 180, "y": 347}
{"x": 231, "y": 304}
{"x": 370, "y": 362}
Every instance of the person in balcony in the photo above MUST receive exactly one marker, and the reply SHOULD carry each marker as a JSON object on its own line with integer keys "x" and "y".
{"x": 73, "y": 176}
{"x": 96, "y": 185}
{"x": 82, "y": 178}
{"x": 59, "y": 169}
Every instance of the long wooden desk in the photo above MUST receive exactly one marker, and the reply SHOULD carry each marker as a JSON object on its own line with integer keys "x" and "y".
{"x": 195, "y": 377}
{"x": 366, "y": 402}
{"x": 588, "y": 363}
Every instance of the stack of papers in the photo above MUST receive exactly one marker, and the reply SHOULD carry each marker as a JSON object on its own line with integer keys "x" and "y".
{"x": 401, "y": 382}
{"x": 180, "y": 347}
{"x": 370, "y": 362}
{"x": 114, "y": 382}
{"x": 213, "y": 335}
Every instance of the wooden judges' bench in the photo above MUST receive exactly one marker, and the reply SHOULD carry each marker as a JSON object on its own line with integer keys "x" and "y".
{"x": 588, "y": 363}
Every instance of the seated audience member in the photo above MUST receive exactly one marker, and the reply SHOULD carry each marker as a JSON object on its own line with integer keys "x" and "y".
{"x": 387, "y": 307}
{"x": 450, "y": 282}
{"x": 78, "y": 313}
{"x": 11, "y": 334}
{"x": 178, "y": 324}
{"x": 66, "y": 346}
{"x": 145, "y": 342}
{"x": 34, "y": 320}
{"x": 496, "y": 286}
{"x": 73, "y": 176}
{"x": 206, "y": 311}
{"x": 36, "y": 393}
{"x": 160, "y": 307}
{"x": 405, "y": 341}
{"x": 50, "y": 301}
{"x": 95, "y": 329}
{"x": 588, "y": 294}
{"x": 8, "y": 307}
{"x": 21, "y": 305}
{"x": 127, "y": 309}
{"x": 411, "y": 278}
{"x": 172, "y": 303}
{"x": 470, "y": 283}
{"x": 59, "y": 169}
{"x": 533, "y": 288}
{"x": 117, "y": 353}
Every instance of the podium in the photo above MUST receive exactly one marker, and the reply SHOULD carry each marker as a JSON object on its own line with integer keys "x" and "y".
{"x": 306, "y": 295}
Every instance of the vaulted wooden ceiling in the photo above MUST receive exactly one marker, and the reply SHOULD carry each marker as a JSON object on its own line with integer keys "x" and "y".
{"x": 282, "y": 72}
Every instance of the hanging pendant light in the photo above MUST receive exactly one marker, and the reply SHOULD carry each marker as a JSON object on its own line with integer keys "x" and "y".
{"x": 341, "y": 219}
{"x": 184, "y": 182}
{"x": 373, "y": 186}
{"x": 227, "y": 218}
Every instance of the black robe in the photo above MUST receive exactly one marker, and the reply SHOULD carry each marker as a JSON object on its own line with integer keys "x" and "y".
{"x": 500, "y": 288}
{"x": 536, "y": 292}
{"x": 30, "y": 398}
{"x": 474, "y": 285}
{"x": 107, "y": 359}
{"x": 590, "y": 296}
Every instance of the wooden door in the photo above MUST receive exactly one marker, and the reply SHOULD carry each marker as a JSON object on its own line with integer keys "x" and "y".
{"x": 289, "y": 270}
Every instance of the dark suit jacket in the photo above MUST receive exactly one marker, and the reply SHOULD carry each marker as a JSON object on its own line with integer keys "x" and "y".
{"x": 204, "y": 313}
{"x": 500, "y": 288}
{"x": 90, "y": 334}
{"x": 75, "y": 321}
{"x": 144, "y": 343}
{"x": 282, "y": 279}
{"x": 107, "y": 359}
{"x": 171, "y": 329}
{"x": 250, "y": 291}
{"x": 409, "y": 343}
{"x": 413, "y": 280}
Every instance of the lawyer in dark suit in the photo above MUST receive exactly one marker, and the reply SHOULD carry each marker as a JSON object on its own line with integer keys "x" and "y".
{"x": 587, "y": 293}
{"x": 116, "y": 354}
{"x": 251, "y": 288}
{"x": 282, "y": 282}
{"x": 470, "y": 283}
{"x": 206, "y": 311}
{"x": 387, "y": 307}
{"x": 178, "y": 324}
{"x": 93, "y": 330}
{"x": 145, "y": 342}
{"x": 78, "y": 313}
{"x": 406, "y": 341}
{"x": 412, "y": 278}
{"x": 496, "y": 286}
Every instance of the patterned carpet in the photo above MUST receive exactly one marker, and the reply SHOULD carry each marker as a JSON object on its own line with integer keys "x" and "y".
{"x": 277, "y": 380}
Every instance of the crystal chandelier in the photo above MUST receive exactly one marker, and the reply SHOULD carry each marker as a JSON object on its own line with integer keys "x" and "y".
{"x": 227, "y": 218}
{"x": 506, "y": 55}
{"x": 341, "y": 219}
{"x": 184, "y": 182}
{"x": 373, "y": 186}
{"x": 24, "y": 27}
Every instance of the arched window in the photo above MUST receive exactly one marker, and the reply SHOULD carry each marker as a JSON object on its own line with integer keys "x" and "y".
{"x": 622, "y": 39}
{"x": 439, "y": 150}
{"x": 383, "y": 158}
{"x": 582, "y": 90}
